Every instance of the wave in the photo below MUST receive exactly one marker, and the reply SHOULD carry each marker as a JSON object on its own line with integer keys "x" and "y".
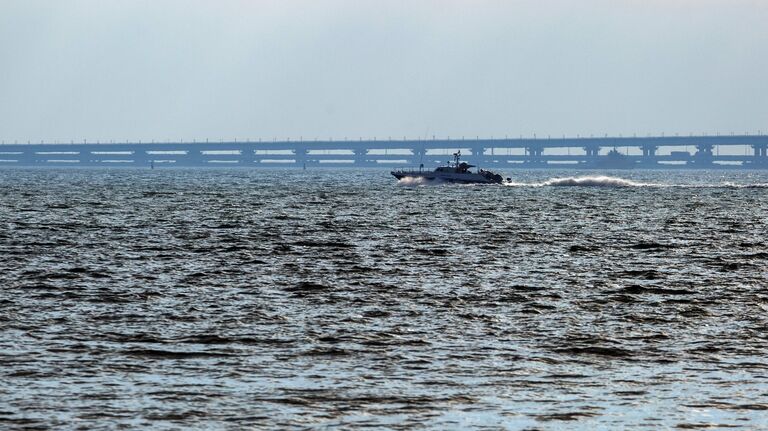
{"x": 590, "y": 181}
{"x": 616, "y": 182}
{"x": 417, "y": 181}
{"x": 596, "y": 181}
{"x": 744, "y": 186}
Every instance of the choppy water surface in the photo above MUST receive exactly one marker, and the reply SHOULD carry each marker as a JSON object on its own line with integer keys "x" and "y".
{"x": 199, "y": 299}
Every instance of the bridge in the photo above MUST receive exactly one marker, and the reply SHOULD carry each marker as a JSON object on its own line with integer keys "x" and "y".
{"x": 738, "y": 151}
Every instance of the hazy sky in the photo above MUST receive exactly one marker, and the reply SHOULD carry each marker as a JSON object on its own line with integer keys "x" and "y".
{"x": 187, "y": 69}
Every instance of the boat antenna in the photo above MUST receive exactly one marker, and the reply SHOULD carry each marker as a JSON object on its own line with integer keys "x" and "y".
{"x": 423, "y": 149}
{"x": 421, "y": 156}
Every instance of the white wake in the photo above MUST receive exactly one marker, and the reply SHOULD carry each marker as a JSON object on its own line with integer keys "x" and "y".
{"x": 589, "y": 181}
{"x": 615, "y": 182}
{"x": 592, "y": 181}
{"x": 417, "y": 181}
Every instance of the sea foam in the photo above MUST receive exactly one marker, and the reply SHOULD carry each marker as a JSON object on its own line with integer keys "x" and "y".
{"x": 587, "y": 181}
{"x": 417, "y": 181}
{"x": 592, "y": 181}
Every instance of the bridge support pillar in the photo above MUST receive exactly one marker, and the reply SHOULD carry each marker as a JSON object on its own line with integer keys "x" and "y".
{"x": 649, "y": 150}
{"x": 140, "y": 158}
{"x": 649, "y": 154}
{"x": 360, "y": 157}
{"x": 85, "y": 158}
{"x": 194, "y": 157}
{"x": 761, "y": 154}
{"x": 703, "y": 156}
{"x": 592, "y": 151}
{"x": 247, "y": 156}
{"x": 478, "y": 155}
{"x": 301, "y": 156}
{"x": 534, "y": 155}
{"x": 28, "y": 157}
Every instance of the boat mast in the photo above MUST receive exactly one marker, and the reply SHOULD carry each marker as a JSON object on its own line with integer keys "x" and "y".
{"x": 456, "y": 156}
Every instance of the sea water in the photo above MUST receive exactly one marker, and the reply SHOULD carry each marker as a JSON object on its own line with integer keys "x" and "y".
{"x": 289, "y": 299}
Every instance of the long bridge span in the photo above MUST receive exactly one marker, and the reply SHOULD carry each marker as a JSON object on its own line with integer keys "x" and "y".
{"x": 727, "y": 151}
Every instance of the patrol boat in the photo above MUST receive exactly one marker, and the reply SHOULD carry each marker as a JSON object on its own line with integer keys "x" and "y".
{"x": 456, "y": 172}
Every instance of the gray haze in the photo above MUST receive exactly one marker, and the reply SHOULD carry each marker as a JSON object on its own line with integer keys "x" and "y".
{"x": 184, "y": 69}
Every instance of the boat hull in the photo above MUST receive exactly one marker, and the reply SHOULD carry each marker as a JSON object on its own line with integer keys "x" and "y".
{"x": 463, "y": 178}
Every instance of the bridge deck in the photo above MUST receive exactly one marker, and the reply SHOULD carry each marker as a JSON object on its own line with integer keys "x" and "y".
{"x": 701, "y": 151}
